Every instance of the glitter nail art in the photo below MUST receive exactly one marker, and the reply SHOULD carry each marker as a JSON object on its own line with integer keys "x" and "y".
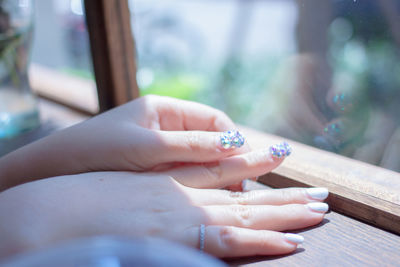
{"x": 280, "y": 150}
{"x": 232, "y": 139}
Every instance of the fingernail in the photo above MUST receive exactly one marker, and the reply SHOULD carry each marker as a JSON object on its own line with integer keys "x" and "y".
{"x": 280, "y": 150}
{"x": 318, "y": 206}
{"x": 294, "y": 238}
{"x": 232, "y": 139}
{"x": 319, "y": 193}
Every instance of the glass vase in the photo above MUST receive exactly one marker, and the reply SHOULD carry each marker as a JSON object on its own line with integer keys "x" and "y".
{"x": 18, "y": 105}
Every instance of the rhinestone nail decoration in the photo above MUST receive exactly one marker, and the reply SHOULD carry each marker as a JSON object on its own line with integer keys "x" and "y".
{"x": 280, "y": 150}
{"x": 232, "y": 139}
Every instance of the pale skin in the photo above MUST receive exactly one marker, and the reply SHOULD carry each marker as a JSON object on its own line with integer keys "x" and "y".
{"x": 152, "y": 168}
{"x": 150, "y": 133}
{"x": 129, "y": 204}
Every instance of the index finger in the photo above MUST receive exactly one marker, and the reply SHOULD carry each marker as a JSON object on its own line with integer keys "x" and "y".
{"x": 198, "y": 146}
{"x": 182, "y": 115}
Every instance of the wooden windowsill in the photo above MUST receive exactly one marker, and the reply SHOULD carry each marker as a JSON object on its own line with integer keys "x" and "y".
{"x": 74, "y": 92}
{"x": 59, "y": 115}
{"x": 337, "y": 241}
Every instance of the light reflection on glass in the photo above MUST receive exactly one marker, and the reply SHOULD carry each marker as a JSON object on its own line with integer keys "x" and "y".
{"x": 325, "y": 73}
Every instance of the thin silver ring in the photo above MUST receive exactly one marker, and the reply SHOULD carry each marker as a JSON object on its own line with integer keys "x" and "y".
{"x": 202, "y": 236}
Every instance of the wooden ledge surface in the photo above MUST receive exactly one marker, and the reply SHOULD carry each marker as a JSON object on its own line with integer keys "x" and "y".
{"x": 337, "y": 241}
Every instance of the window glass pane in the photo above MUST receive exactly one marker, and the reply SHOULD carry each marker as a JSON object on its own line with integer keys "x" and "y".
{"x": 61, "y": 49}
{"x": 325, "y": 73}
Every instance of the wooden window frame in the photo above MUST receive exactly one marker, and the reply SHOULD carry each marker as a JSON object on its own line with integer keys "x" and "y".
{"x": 78, "y": 94}
{"x": 359, "y": 190}
{"x": 113, "y": 51}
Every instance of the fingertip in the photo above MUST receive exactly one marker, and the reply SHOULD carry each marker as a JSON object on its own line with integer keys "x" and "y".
{"x": 237, "y": 242}
{"x": 319, "y": 207}
{"x": 317, "y": 193}
{"x": 316, "y": 213}
{"x": 282, "y": 243}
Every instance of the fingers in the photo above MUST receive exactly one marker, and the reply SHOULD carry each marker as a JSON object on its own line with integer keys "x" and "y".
{"x": 227, "y": 241}
{"x": 198, "y": 146}
{"x": 226, "y": 171}
{"x": 176, "y": 114}
{"x": 259, "y": 197}
{"x": 278, "y": 218}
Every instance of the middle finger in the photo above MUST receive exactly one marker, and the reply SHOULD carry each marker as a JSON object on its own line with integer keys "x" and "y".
{"x": 284, "y": 196}
{"x": 264, "y": 217}
{"x": 227, "y": 171}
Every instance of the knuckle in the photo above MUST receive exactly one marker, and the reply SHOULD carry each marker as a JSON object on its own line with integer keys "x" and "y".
{"x": 237, "y": 197}
{"x": 243, "y": 215}
{"x": 241, "y": 198}
{"x": 193, "y": 141}
{"x": 228, "y": 238}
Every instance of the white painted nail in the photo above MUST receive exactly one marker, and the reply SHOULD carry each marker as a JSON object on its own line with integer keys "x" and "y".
{"x": 318, "y": 206}
{"x": 318, "y": 193}
{"x": 294, "y": 238}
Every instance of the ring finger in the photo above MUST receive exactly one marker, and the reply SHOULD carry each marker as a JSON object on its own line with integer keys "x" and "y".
{"x": 284, "y": 196}
{"x": 228, "y": 241}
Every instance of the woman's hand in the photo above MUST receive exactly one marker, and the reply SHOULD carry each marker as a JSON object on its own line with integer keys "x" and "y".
{"x": 133, "y": 205}
{"x": 148, "y": 134}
